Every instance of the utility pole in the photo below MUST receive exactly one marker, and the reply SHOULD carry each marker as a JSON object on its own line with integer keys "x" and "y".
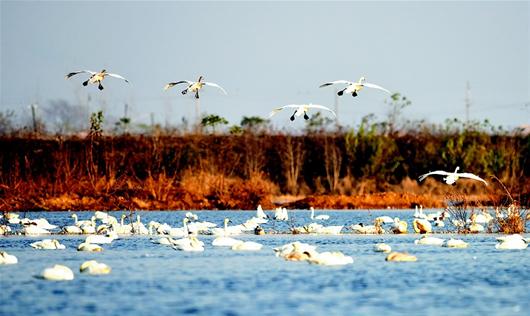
{"x": 468, "y": 101}
{"x": 34, "y": 116}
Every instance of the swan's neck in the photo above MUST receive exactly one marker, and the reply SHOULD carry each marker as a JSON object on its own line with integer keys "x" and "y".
{"x": 312, "y": 213}
{"x": 75, "y": 219}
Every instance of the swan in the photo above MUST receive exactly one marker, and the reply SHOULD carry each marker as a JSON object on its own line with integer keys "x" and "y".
{"x": 222, "y": 240}
{"x": 190, "y": 239}
{"x": 280, "y": 214}
{"x": 79, "y": 223}
{"x": 514, "y": 241}
{"x": 455, "y": 243}
{"x": 139, "y": 228}
{"x": 42, "y": 223}
{"x": 4, "y": 229}
{"x": 99, "y": 239}
{"x": 57, "y": 273}
{"x": 386, "y": 219}
{"x": 369, "y": 229}
{"x": 191, "y": 216}
{"x": 399, "y": 227}
{"x": 431, "y": 241}
{"x": 354, "y": 87}
{"x": 192, "y": 244}
{"x": 121, "y": 228}
{"x": 260, "y": 213}
{"x": 93, "y": 267}
{"x": 382, "y": 248}
{"x": 315, "y": 228}
{"x": 48, "y": 244}
{"x": 400, "y": 256}
{"x": 194, "y": 86}
{"x": 475, "y": 228}
{"x": 481, "y": 218}
{"x": 13, "y": 218}
{"x": 72, "y": 229}
{"x": 163, "y": 241}
{"x": 301, "y": 109}
{"x": 34, "y": 230}
{"x": 89, "y": 247}
{"x": 247, "y": 246}
{"x": 322, "y": 217}
{"x": 6, "y": 258}
{"x": 95, "y": 77}
{"x": 259, "y": 230}
{"x": 418, "y": 212}
{"x": 421, "y": 226}
{"x": 452, "y": 177}
{"x": 335, "y": 258}
{"x": 295, "y": 251}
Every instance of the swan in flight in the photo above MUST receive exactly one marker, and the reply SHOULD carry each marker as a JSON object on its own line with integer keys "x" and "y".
{"x": 194, "y": 86}
{"x": 95, "y": 77}
{"x": 354, "y": 87}
{"x": 452, "y": 177}
{"x": 301, "y": 109}
{"x": 318, "y": 217}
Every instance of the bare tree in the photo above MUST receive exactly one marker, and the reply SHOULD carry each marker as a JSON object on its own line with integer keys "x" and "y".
{"x": 292, "y": 160}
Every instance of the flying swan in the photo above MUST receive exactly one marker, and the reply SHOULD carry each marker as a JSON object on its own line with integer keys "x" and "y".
{"x": 452, "y": 177}
{"x": 194, "y": 86}
{"x": 95, "y": 77}
{"x": 301, "y": 109}
{"x": 354, "y": 87}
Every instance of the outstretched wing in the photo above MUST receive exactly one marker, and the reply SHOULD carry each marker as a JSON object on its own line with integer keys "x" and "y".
{"x": 211, "y": 84}
{"x": 171, "y": 84}
{"x": 281, "y": 108}
{"x": 335, "y": 82}
{"x": 79, "y": 72}
{"x": 117, "y": 76}
{"x": 471, "y": 176}
{"x": 374, "y": 86}
{"x": 439, "y": 172}
{"x": 317, "y": 106}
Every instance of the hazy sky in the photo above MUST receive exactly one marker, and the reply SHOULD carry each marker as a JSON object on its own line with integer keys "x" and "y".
{"x": 268, "y": 54}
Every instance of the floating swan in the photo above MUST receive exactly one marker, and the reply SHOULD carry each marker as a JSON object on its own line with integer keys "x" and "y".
{"x": 194, "y": 86}
{"x": 368, "y": 229}
{"x": 418, "y": 212}
{"x": 191, "y": 216}
{"x": 192, "y": 244}
{"x": 354, "y": 87}
{"x": 400, "y": 256}
{"x": 93, "y": 267}
{"x": 280, "y": 214}
{"x": 335, "y": 258}
{"x": 260, "y": 213}
{"x": 301, "y": 109}
{"x": 72, "y": 229}
{"x": 42, "y": 223}
{"x": 514, "y": 241}
{"x": 293, "y": 248}
{"x": 247, "y": 246}
{"x": 385, "y": 219}
{"x": 48, "y": 244}
{"x": 452, "y": 177}
{"x": 57, "y": 273}
{"x": 33, "y": 230}
{"x": 427, "y": 240}
{"x": 99, "y": 239}
{"x": 223, "y": 241}
{"x": 382, "y": 248}
{"x": 95, "y": 77}
{"x": 163, "y": 241}
{"x": 399, "y": 227}
{"x": 6, "y": 258}
{"x": 139, "y": 228}
{"x": 89, "y": 247}
{"x": 421, "y": 226}
{"x": 455, "y": 243}
{"x": 322, "y": 217}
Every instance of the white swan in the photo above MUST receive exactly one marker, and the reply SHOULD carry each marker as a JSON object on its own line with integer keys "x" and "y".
{"x": 280, "y": 214}
{"x": 514, "y": 242}
{"x": 6, "y": 258}
{"x": 321, "y": 217}
{"x": 192, "y": 244}
{"x": 431, "y": 241}
{"x": 99, "y": 239}
{"x": 89, "y": 247}
{"x": 335, "y": 258}
{"x": 223, "y": 240}
{"x": 452, "y": 177}
{"x": 95, "y": 77}
{"x": 194, "y": 86}
{"x": 293, "y": 248}
{"x": 455, "y": 243}
{"x": 48, "y": 244}
{"x": 93, "y": 267}
{"x": 382, "y": 248}
{"x": 368, "y": 229}
{"x": 57, "y": 273}
{"x": 139, "y": 228}
{"x": 418, "y": 212}
{"x": 191, "y": 216}
{"x": 421, "y": 226}
{"x": 42, "y": 223}
{"x": 33, "y": 230}
{"x": 399, "y": 226}
{"x": 247, "y": 246}
{"x": 163, "y": 241}
{"x": 301, "y": 109}
{"x": 260, "y": 214}
{"x": 400, "y": 257}
{"x": 354, "y": 87}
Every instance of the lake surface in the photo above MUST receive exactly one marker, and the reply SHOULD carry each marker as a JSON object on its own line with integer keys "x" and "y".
{"x": 149, "y": 279}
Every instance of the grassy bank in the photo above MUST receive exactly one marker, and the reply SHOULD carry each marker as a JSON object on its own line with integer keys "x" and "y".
{"x": 358, "y": 169}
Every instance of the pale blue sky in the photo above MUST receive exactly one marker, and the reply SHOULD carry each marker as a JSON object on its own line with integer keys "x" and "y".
{"x": 268, "y": 54}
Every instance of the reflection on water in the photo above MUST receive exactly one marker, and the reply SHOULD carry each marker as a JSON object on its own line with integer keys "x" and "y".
{"x": 152, "y": 279}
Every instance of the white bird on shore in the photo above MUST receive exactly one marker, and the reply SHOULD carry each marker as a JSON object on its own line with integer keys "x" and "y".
{"x": 95, "y": 77}
{"x": 354, "y": 87}
{"x": 301, "y": 109}
{"x": 322, "y": 217}
{"x": 57, "y": 273}
{"x": 48, "y": 244}
{"x": 194, "y": 86}
{"x": 452, "y": 177}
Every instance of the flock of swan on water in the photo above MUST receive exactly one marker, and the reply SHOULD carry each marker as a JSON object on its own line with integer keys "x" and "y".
{"x": 103, "y": 228}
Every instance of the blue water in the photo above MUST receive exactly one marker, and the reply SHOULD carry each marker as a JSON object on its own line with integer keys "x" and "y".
{"x": 150, "y": 279}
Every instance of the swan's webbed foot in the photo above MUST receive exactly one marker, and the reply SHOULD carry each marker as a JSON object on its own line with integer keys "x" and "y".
{"x": 354, "y": 94}
{"x": 85, "y": 83}
{"x": 185, "y": 91}
{"x": 292, "y": 117}
{"x": 197, "y": 95}
{"x": 100, "y": 87}
{"x": 341, "y": 92}
{"x": 306, "y": 117}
